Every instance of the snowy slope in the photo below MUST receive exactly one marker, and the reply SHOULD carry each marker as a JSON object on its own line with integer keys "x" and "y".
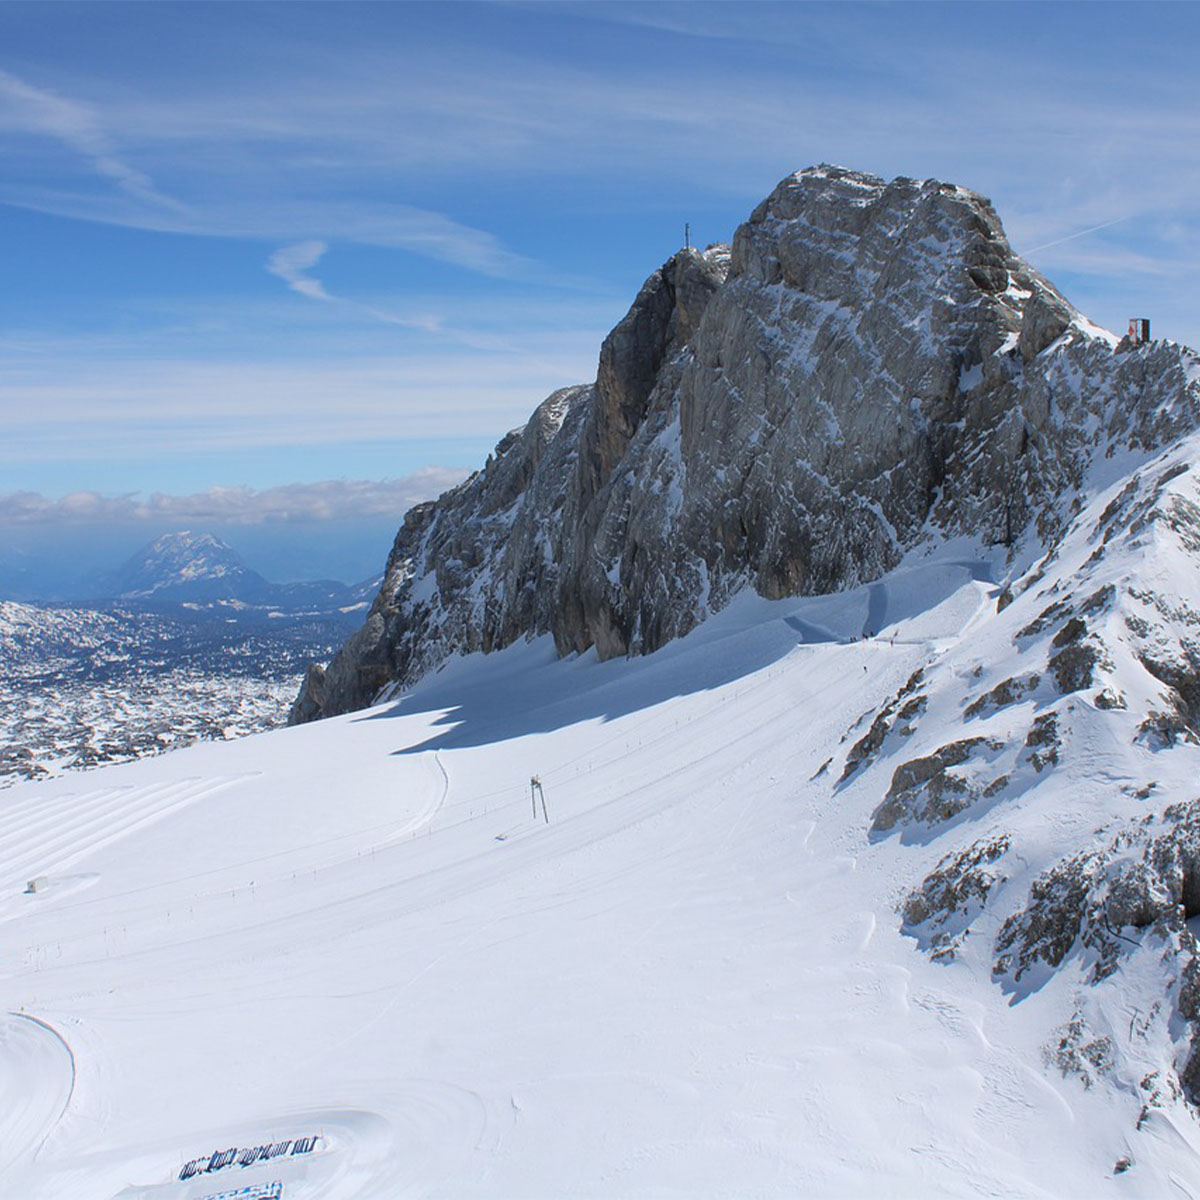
{"x": 693, "y": 980}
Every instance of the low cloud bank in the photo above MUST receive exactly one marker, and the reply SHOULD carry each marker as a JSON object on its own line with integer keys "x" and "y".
{"x": 294, "y": 503}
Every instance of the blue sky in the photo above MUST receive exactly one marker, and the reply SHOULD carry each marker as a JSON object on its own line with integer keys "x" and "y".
{"x": 266, "y": 245}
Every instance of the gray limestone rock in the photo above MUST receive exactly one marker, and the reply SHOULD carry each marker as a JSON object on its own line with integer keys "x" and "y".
{"x": 900, "y": 712}
{"x": 869, "y": 366}
{"x": 1047, "y": 318}
{"x": 939, "y": 912}
{"x": 1146, "y": 875}
{"x": 926, "y": 791}
{"x": 1006, "y": 692}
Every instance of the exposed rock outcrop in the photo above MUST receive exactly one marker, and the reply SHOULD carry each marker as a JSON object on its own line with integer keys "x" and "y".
{"x": 1146, "y": 877}
{"x": 896, "y": 715}
{"x": 940, "y": 911}
{"x": 869, "y": 366}
{"x": 1075, "y": 707}
{"x": 926, "y": 790}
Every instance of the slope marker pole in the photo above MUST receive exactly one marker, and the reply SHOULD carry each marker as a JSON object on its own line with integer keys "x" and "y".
{"x": 536, "y": 790}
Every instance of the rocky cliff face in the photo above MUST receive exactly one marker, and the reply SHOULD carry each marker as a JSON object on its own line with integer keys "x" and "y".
{"x": 868, "y": 367}
{"x": 1042, "y": 775}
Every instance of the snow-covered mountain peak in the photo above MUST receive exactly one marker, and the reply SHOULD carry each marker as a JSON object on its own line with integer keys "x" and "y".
{"x": 200, "y": 569}
{"x": 182, "y": 560}
{"x": 868, "y": 369}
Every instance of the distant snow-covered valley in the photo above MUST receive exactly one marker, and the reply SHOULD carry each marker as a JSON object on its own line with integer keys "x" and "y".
{"x": 80, "y": 687}
{"x": 192, "y": 646}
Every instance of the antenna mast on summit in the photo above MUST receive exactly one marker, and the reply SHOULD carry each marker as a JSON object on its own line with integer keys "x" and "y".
{"x": 687, "y": 236}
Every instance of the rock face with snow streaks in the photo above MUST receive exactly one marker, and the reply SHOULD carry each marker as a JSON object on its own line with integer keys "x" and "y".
{"x": 870, "y": 365}
{"x": 1075, "y": 851}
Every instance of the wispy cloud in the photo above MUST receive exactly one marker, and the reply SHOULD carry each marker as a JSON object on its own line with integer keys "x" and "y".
{"x": 218, "y": 204}
{"x": 175, "y": 407}
{"x": 258, "y": 160}
{"x": 77, "y": 127}
{"x": 561, "y": 331}
{"x": 296, "y": 503}
{"x": 1070, "y": 237}
{"x": 290, "y": 264}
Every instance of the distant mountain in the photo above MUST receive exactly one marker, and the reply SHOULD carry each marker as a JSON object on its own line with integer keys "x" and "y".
{"x": 366, "y": 591}
{"x": 188, "y": 566}
{"x": 201, "y": 570}
{"x": 65, "y": 562}
{"x": 187, "y": 643}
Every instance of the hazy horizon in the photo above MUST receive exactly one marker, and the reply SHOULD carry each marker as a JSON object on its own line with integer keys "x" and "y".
{"x": 335, "y": 529}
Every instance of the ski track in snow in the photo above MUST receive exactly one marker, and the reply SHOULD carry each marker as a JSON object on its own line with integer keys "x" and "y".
{"x": 49, "y": 837}
{"x": 690, "y": 982}
{"x": 37, "y": 1076}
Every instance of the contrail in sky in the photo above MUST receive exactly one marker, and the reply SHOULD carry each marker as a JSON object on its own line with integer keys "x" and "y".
{"x": 1072, "y": 236}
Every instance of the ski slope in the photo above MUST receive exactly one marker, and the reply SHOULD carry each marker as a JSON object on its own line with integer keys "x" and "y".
{"x": 356, "y": 941}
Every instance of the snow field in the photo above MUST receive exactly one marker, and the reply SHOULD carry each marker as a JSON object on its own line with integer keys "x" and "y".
{"x": 690, "y": 982}
{"x": 49, "y": 836}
